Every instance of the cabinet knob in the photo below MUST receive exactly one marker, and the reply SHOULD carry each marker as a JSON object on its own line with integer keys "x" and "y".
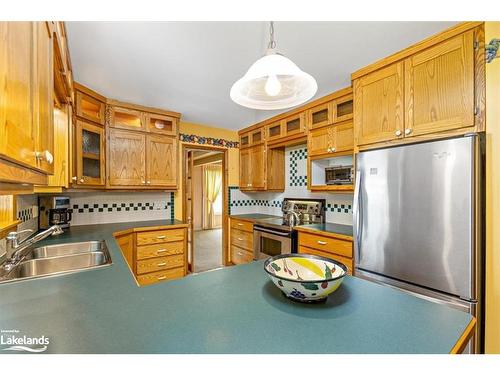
{"x": 44, "y": 155}
{"x": 148, "y": 182}
{"x": 398, "y": 133}
{"x": 74, "y": 178}
{"x": 333, "y": 149}
{"x": 143, "y": 181}
{"x": 407, "y": 131}
{"x": 82, "y": 179}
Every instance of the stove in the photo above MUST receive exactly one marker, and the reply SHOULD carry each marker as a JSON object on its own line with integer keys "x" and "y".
{"x": 274, "y": 236}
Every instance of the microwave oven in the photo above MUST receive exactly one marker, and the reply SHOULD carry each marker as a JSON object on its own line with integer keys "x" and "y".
{"x": 339, "y": 175}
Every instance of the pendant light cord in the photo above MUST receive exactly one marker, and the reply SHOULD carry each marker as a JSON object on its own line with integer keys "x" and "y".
{"x": 272, "y": 42}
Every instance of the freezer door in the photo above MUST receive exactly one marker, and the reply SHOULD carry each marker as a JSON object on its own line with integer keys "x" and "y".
{"x": 414, "y": 214}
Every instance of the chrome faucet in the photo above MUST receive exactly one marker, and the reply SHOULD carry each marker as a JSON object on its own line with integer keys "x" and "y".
{"x": 15, "y": 248}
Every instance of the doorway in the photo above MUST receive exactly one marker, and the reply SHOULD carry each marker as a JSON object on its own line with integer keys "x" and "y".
{"x": 205, "y": 206}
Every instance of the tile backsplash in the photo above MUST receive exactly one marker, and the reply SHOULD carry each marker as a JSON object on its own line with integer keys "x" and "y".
{"x": 108, "y": 207}
{"x": 338, "y": 206}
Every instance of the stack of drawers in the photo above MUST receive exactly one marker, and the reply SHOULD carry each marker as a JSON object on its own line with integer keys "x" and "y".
{"x": 156, "y": 255}
{"x": 241, "y": 241}
{"x": 327, "y": 246}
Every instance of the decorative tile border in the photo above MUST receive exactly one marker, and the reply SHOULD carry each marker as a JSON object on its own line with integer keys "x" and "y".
{"x": 115, "y": 207}
{"x": 25, "y": 214}
{"x": 193, "y": 138}
{"x": 172, "y": 211}
{"x": 295, "y": 178}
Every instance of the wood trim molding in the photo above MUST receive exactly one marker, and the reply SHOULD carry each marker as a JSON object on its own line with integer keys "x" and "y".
{"x": 13, "y": 173}
{"x": 426, "y": 43}
{"x": 464, "y": 339}
{"x": 90, "y": 92}
{"x": 143, "y": 108}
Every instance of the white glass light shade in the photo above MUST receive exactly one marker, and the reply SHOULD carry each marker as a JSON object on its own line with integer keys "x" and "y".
{"x": 273, "y": 82}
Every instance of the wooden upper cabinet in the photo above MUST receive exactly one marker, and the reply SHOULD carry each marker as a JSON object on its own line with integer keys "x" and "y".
{"x": 244, "y": 168}
{"x": 274, "y": 131}
{"x": 343, "y": 108}
{"x": 89, "y": 154}
{"x": 161, "y": 161}
{"x": 90, "y": 108}
{"x": 257, "y": 167}
{"x": 126, "y": 118}
{"x": 320, "y": 115}
{"x": 378, "y": 108}
{"x": 127, "y": 158}
{"x": 331, "y": 139}
{"x": 17, "y": 127}
{"x": 43, "y": 103}
{"x": 294, "y": 125}
{"x": 439, "y": 87}
{"x": 253, "y": 137}
{"x": 320, "y": 141}
{"x": 161, "y": 124}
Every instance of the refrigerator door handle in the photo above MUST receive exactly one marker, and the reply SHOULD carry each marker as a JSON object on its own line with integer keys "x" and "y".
{"x": 357, "y": 216}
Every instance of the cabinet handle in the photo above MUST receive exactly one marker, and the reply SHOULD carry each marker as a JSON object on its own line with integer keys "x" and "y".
{"x": 398, "y": 133}
{"x": 322, "y": 242}
{"x": 408, "y": 131}
{"x": 240, "y": 225}
{"x": 44, "y": 155}
{"x": 74, "y": 178}
{"x": 161, "y": 237}
{"x": 160, "y": 251}
{"x": 161, "y": 277}
{"x": 148, "y": 182}
{"x": 240, "y": 239}
{"x": 161, "y": 264}
{"x": 82, "y": 180}
{"x": 240, "y": 253}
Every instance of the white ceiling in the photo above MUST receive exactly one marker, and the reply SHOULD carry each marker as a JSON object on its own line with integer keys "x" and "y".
{"x": 189, "y": 67}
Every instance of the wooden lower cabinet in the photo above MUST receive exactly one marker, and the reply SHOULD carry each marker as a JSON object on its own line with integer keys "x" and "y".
{"x": 327, "y": 245}
{"x": 155, "y": 255}
{"x": 241, "y": 241}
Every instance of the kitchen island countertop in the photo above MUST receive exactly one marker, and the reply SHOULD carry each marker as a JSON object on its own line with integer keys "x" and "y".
{"x": 233, "y": 310}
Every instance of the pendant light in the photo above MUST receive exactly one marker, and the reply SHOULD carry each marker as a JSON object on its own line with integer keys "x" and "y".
{"x": 273, "y": 82}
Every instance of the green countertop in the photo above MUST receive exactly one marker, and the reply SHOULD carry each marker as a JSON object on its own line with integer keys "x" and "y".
{"x": 345, "y": 230}
{"x": 255, "y": 216}
{"x": 233, "y": 310}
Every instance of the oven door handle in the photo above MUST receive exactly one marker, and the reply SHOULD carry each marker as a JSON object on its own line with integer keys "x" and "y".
{"x": 265, "y": 230}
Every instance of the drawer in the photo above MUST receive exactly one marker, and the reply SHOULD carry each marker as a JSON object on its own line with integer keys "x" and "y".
{"x": 154, "y": 277}
{"x": 161, "y": 249}
{"x": 160, "y": 263}
{"x": 160, "y": 236}
{"x": 326, "y": 244}
{"x": 242, "y": 239}
{"x": 346, "y": 261}
{"x": 242, "y": 225}
{"x": 240, "y": 256}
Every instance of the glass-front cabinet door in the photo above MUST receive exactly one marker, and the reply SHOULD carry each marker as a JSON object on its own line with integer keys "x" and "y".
{"x": 90, "y": 160}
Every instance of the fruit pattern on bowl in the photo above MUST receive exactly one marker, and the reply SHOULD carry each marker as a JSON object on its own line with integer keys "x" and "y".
{"x": 305, "y": 278}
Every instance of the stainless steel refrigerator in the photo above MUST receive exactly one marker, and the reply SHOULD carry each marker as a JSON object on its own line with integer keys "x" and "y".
{"x": 418, "y": 221}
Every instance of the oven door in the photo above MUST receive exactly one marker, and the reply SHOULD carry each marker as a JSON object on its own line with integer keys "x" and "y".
{"x": 269, "y": 242}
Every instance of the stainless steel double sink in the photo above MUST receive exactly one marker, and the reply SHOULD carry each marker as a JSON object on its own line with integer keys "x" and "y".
{"x": 60, "y": 259}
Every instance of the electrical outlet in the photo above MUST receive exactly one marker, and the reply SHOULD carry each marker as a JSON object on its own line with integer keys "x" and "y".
{"x": 160, "y": 205}
{"x": 35, "y": 210}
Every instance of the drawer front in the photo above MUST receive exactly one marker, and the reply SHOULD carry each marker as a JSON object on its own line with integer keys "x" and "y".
{"x": 242, "y": 225}
{"x": 326, "y": 244}
{"x": 161, "y": 249}
{"x": 346, "y": 261}
{"x": 160, "y": 236}
{"x": 242, "y": 239}
{"x": 160, "y": 263}
{"x": 155, "y": 277}
{"x": 240, "y": 256}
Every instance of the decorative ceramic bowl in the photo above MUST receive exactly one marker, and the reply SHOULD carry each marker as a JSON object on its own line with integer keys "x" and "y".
{"x": 304, "y": 277}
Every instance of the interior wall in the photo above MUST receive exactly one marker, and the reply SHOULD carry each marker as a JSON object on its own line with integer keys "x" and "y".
{"x": 492, "y": 197}
{"x": 197, "y": 177}
{"x": 212, "y": 132}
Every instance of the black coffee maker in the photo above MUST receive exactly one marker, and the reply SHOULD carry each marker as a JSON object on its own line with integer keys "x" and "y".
{"x": 54, "y": 210}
